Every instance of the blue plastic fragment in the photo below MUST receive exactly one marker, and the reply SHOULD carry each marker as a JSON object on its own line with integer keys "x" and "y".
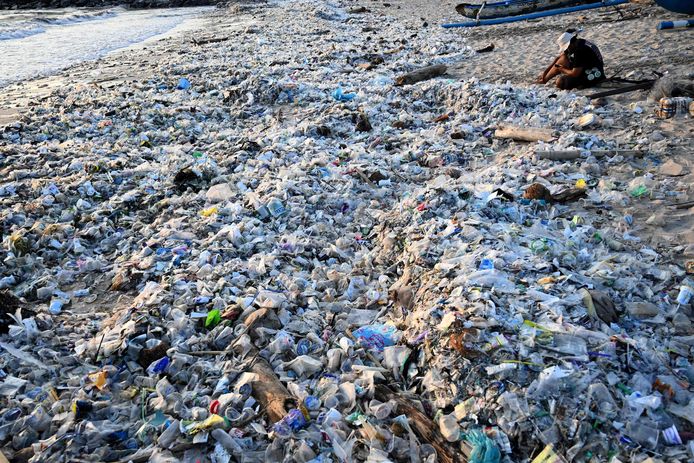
{"x": 340, "y": 95}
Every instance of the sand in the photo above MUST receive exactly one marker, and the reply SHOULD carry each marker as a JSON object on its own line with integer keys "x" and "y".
{"x": 629, "y": 41}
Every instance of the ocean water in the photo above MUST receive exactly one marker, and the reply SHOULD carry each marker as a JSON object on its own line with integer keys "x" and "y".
{"x": 41, "y": 42}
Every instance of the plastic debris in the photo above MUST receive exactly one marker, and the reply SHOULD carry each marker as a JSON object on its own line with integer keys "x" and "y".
{"x": 237, "y": 270}
{"x": 183, "y": 84}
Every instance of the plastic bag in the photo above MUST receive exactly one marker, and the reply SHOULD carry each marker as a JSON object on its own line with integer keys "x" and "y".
{"x": 484, "y": 450}
{"x": 376, "y": 337}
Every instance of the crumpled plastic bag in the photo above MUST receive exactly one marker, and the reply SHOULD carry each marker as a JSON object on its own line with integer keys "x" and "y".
{"x": 377, "y": 336}
{"x": 484, "y": 450}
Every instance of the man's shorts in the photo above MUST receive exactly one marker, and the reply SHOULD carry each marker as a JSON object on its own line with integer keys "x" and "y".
{"x": 569, "y": 83}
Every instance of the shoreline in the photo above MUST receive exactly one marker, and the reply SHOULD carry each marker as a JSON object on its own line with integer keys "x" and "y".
{"x": 288, "y": 184}
{"x": 17, "y": 95}
{"x": 135, "y": 4}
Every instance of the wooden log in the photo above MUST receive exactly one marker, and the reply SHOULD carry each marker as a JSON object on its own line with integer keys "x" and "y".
{"x": 627, "y": 89}
{"x": 261, "y": 318}
{"x": 205, "y": 353}
{"x": 3, "y": 458}
{"x": 531, "y": 134}
{"x": 684, "y": 205}
{"x": 365, "y": 178}
{"x": 569, "y": 194}
{"x": 419, "y": 75}
{"x": 209, "y": 40}
{"x": 425, "y": 428}
{"x": 567, "y": 155}
{"x": 553, "y": 155}
{"x": 270, "y": 392}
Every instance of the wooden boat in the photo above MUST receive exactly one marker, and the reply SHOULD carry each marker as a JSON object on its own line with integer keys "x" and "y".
{"x": 516, "y": 7}
{"x": 583, "y": 6}
{"x": 677, "y": 6}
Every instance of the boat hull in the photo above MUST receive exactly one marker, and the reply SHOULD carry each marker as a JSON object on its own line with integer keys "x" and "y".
{"x": 513, "y": 8}
{"x": 677, "y": 6}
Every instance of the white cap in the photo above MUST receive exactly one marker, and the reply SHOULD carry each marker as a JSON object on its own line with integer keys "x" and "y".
{"x": 564, "y": 40}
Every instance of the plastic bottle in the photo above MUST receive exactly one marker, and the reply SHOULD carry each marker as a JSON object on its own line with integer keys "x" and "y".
{"x": 56, "y": 306}
{"x": 312, "y": 403}
{"x": 685, "y": 295}
{"x": 336, "y": 400}
{"x": 158, "y": 366}
{"x": 223, "y": 402}
{"x": 449, "y": 427}
{"x": 168, "y": 437}
{"x": 276, "y": 208}
{"x": 636, "y": 403}
{"x": 673, "y": 107}
{"x": 572, "y": 345}
{"x": 599, "y": 395}
{"x": 304, "y": 453}
{"x": 39, "y": 420}
{"x": 226, "y": 441}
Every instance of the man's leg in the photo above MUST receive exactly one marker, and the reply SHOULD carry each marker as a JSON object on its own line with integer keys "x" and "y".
{"x": 569, "y": 83}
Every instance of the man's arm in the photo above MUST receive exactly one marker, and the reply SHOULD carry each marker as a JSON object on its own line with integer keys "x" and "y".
{"x": 569, "y": 72}
{"x": 543, "y": 77}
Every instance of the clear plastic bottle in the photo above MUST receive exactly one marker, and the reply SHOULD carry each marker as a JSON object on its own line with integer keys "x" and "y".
{"x": 226, "y": 441}
{"x": 168, "y": 437}
{"x": 449, "y": 427}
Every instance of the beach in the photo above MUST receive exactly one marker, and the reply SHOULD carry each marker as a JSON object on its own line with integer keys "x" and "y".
{"x": 249, "y": 208}
{"x": 631, "y": 47}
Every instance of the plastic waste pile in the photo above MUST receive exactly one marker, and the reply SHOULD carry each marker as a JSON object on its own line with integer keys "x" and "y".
{"x": 302, "y": 262}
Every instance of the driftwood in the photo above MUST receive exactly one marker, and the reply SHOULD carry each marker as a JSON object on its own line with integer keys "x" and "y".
{"x": 270, "y": 392}
{"x": 537, "y": 191}
{"x": 567, "y": 155}
{"x": 267, "y": 390}
{"x": 204, "y": 353}
{"x": 365, "y": 178}
{"x": 524, "y": 133}
{"x": 261, "y": 318}
{"x": 419, "y": 75}
{"x": 627, "y": 89}
{"x": 210, "y": 40}
{"x": 684, "y": 205}
{"x": 569, "y": 194}
{"x": 425, "y": 428}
